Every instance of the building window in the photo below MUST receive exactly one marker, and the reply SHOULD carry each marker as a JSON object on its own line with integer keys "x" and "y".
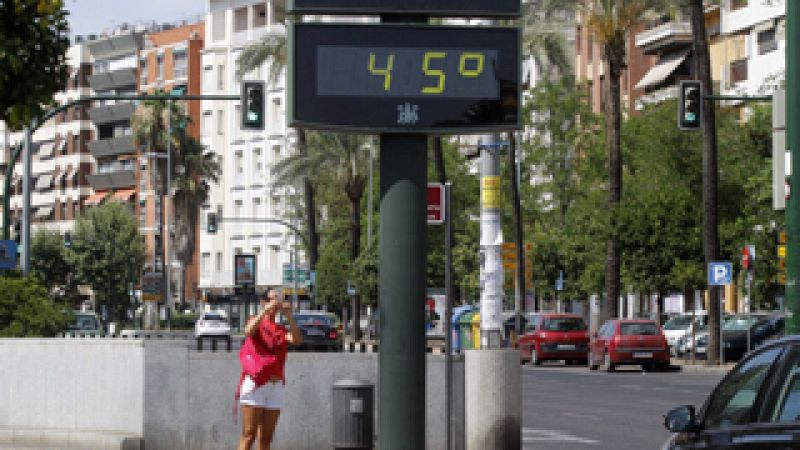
{"x": 737, "y": 71}
{"x": 240, "y": 19}
{"x": 767, "y": 41}
{"x": 180, "y": 65}
{"x": 220, "y": 122}
{"x": 273, "y": 258}
{"x": 160, "y": 67}
{"x": 205, "y": 263}
{"x": 63, "y": 211}
{"x": 257, "y": 159}
{"x": 239, "y": 160}
{"x": 237, "y": 207}
{"x": 206, "y": 123}
{"x": 257, "y": 207}
{"x": 259, "y": 15}
{"x": 738, "y": 4}
{"x": 143, "y": 72}
{"x": 276, "y": 154}
{"x": 218, "y": 262}
{"x": 218, "y": 21}
{"x": 220, "y": 77}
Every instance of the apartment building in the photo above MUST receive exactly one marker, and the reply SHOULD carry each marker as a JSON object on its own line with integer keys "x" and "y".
{"x": 245, "y": 189}
{"x": 170, "y": 61}
{"x": 61, "y": 158}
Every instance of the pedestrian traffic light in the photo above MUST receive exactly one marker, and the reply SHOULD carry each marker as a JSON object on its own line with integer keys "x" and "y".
{"x": 17, "y": 231}
{"x": 211, "y": 225}
{"x": 690, "y": 105}
{"x": 252, "y": 105}
{"x": 68, "y": 239}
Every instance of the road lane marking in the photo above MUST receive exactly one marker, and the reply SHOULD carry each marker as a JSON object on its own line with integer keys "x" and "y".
{"x": 537, "y": 435}
{"x": 581, "y": 416}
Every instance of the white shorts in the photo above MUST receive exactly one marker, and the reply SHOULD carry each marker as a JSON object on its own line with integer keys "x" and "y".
{"x": 269, "y": 396}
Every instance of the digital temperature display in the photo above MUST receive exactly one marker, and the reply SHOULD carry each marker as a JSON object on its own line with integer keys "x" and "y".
{"x": 406, "y": 72}
{"x": 450, "y": 8}
{"x": 404, "y": 78}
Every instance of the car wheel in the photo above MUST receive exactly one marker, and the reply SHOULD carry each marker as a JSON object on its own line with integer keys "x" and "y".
{"x": 608, "y": 366}
{"x": 535, "y": 357}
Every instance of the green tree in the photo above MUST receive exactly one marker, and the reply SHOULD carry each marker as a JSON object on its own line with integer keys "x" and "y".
{"x": 27, "y": 311}
{"x": 108, "y": 254}
{"x": 50, "y": 264}
{"x": 193, "y": 168}
{"x": 33, "y": 46}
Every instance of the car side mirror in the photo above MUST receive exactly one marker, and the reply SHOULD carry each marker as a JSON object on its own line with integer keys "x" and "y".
{"x": 681, "y": 420}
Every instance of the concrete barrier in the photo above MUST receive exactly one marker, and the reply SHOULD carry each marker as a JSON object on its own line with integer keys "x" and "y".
{"x": 171, "y": 397}
{"x": 493, "y": 400}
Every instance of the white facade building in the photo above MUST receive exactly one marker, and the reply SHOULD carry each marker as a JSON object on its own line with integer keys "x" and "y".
{"x": 245, "y": 188}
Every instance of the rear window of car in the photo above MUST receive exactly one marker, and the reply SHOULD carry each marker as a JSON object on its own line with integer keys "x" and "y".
{"x": 638, "y": 329}
{"x": 563, "y": 324}
{"x": 213, "y": 316}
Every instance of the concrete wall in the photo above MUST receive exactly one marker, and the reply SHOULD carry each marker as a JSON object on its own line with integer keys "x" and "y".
{"x": 177, "y": 398}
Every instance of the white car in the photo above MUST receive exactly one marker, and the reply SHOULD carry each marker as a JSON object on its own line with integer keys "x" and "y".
{"x": 680, "y": 326}
{"x": 212, "y": 323}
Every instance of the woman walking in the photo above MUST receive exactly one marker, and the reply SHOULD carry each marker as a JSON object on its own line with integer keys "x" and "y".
{"x": 261, "y": 399}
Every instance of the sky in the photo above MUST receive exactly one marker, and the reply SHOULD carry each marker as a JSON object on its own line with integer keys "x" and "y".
{"x": 95, "y": 16}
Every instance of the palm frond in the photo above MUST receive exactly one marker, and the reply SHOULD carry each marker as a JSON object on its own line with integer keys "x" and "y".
{"x": 270, "y": 47}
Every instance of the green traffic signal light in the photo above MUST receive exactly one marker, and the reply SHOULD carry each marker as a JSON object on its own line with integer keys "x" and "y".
{"x": 212, "y": 223}
{"x": 252, "y": 98}
{"x": 690, "y": 105}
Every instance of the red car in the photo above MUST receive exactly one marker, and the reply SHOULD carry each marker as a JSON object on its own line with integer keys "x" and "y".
{"x": 555, "y": 337}
{"x": 629, "y": 342}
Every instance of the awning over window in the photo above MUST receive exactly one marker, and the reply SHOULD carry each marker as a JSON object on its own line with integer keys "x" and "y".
{"x": 44, "y": 212}
{"x": 661, "y": 71}
{"x": 124, "y": 195}
{"x": 44, "y": 181}
{"x": 96, "y": 198}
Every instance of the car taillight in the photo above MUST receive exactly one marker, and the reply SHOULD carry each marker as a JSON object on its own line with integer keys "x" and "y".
{"x": 617, "y": 339}
{"x": 332, "y": 334}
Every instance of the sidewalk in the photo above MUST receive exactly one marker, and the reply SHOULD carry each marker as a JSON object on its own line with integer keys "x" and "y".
{"x": 700, "y": 366}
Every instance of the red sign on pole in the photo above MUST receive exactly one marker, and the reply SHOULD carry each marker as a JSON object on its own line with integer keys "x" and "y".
{"x": 435, "y": 204}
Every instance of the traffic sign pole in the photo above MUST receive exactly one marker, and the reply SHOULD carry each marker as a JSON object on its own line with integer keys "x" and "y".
{"x": 792, "y": 302}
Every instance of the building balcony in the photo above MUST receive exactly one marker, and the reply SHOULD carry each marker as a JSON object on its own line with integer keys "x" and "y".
{"x": 116, "y": 46}
{"x": 112, "y": 113}
{"x": 110, "y": 147}
{"x": 113, "y": 80}
{"x": 656, "y": 96}
{"x": 112, "y": 180}
{"x": 665, "y": 37}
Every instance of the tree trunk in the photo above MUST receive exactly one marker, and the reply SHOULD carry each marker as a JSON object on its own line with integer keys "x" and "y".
{"x": 710, "y": 175}
{"x": 355, "y": 189}
{"x": 438, "y": 157}
{"x": 518, "y": 230}
{"x": 614, "y": 55}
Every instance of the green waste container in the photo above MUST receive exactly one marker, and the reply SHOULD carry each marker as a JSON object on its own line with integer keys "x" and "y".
{"x": 465, "y": 331}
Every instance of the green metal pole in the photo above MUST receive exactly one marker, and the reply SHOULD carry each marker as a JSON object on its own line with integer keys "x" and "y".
{"x": 401, "y": 292}
{"x": 792, "y": 299}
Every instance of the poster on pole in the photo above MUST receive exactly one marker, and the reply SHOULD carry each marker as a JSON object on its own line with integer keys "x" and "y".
{"x": 244, "y": 270}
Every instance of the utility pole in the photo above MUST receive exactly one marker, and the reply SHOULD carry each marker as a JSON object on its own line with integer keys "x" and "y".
{"x": 491, "y": 242}
{"x": 792, "y": 300}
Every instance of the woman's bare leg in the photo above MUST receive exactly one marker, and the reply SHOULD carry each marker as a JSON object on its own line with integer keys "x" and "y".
{"x": 251, "y": 419}
{"x": 269, "y": 419}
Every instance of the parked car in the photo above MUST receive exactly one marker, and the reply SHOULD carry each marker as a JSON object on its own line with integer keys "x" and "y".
{"x": 212, "y": 323}
{"x": 85, "y": 322}
{"x": 682, "y": 325}
{"x": 319, "y": 331}
{"x": 624, "y": 341}
{"x": 553, "y": 337}
{"x": 761, "y": 326}
{"x": 755, "y": 406}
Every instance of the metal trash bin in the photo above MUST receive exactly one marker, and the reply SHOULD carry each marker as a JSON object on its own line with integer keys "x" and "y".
{"x": 353, "y": 414}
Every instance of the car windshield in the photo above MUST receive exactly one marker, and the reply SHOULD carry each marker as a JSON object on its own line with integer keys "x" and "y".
{"x": 739, "y": 323}
{"x": 678, "y": 323}
{"x": 563, "y": 324}
{"x": 311, "y": 320}
{"x": 86, "y": 323}
{"x": 638, "y": 329}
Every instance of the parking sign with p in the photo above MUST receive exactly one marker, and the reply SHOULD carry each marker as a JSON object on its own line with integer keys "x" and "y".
{"x": 720, "y": 273}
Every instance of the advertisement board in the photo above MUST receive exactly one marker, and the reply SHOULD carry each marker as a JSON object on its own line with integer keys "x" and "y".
{"x": 244, "y": 270}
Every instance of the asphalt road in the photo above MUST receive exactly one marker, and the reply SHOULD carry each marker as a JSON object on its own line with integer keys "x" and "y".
{"x": 572, "y": 408}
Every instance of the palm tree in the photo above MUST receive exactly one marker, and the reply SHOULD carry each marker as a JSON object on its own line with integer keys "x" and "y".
{"x": 610, "y": 22}
{"x": 273, "y": 48}
{"x": 342, "y": 155}
{"x": 192, "y": 169}
{"x": 544, "y": 24}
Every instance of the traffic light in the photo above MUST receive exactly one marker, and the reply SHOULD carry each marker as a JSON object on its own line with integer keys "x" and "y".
{"x": 252, "y": 105}
{"x": 17, "y": 231}
{"x": 211, "y": 225}
{"x": 690, "y": 105}
{"x": 68, "y": 239}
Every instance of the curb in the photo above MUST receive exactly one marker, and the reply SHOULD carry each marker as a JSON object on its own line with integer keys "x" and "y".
{"x": 703, "y": 368}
